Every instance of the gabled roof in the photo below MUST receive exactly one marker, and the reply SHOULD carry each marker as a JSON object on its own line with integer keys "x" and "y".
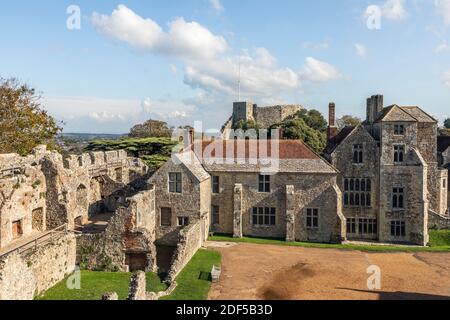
{"x": 334, "y": 142}
{"x": 192, "y": 163}
{"x": 443, "y": 143}
{"x": 255, "y": 155}
{"x": 405, "y": 114}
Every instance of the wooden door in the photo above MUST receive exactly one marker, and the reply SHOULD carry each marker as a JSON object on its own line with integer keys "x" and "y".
{"x": 17, "y": 229}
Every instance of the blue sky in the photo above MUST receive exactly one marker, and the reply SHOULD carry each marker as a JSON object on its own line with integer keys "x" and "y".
{"x": 178, "y": 61}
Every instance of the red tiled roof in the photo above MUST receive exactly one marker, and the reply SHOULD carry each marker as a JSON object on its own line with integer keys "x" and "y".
{"x": 287, "y": 149}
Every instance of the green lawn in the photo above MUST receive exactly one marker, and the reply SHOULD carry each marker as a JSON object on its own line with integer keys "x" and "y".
{"x": 194, "y": 281}
{"x": 95, "y": 284}
{"x": 439, "y": 242}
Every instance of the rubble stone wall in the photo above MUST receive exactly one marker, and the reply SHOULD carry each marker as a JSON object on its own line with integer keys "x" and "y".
{"x": 25, "y": 275}
{"x": 190, "y": 240}
{"x": 130, "y": 232}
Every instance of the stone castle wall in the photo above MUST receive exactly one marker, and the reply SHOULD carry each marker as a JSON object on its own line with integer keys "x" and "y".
{"x": 128, "y": 241}
{"x": 268, "y": 116}
{"x": 190, "y": 240}
{"x": 44, "y": 190}
{"x": 25, "y": 275}
{"x": 438, "y": 221}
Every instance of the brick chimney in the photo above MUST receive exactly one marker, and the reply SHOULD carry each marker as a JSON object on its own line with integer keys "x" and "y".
{"x": 332, "y": 128}
{"x": 191, "y": 135}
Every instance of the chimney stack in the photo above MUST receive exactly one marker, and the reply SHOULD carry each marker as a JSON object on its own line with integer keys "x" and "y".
{"x": 332, "y": 128}
{"x": 374, "y": 107}
{"x": 191, "y": 136}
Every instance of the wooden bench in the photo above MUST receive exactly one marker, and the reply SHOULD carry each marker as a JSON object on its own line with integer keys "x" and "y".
{"x": 215, "y": 274}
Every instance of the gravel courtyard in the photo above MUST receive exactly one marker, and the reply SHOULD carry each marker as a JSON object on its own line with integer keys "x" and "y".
{"x": 267, "y": 272}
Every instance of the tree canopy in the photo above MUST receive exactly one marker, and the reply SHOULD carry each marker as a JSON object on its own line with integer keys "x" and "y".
{"x": 151, "y": 129}
{"x": 24, "y": 124}
{"x": 298, "y": 129}
{"x": 313, "y": 118}
{"x": 447, "y": 123}
{"x": 348, "y": 121}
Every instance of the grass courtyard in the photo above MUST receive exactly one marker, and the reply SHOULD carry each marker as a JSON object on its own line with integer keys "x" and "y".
{"x": 439, "y": 242}
{"x": 193, "y": 282}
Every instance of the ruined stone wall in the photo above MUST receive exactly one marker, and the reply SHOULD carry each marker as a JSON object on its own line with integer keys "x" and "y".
{"x": 243, "y": 111}
{"x": 22, "y": 196}
{"x": 342, "y": 159}
{"x": 189, "y": 241}
{"x": 137, "y": 288}
{"x": 79, "y": 186}
{"x": 130, "y": 232}
{"x": 26, "y": 275}
{"x": 311, "y": 191}
{"x": 437, "y": 221}
{"x": 268, "y": 116}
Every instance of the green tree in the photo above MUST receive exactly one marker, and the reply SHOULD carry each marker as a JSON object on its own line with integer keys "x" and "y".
{"x": 348, "y": 121}
{"x": 24, "y": 124}
{"x": 447, "y": 123}
{"x": 313, "y": 118}
{"x": 151, "y": 129}
{"x": 298, "y": 129}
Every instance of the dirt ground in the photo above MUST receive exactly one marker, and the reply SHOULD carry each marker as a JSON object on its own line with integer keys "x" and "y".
{"x": 266, "y": 272}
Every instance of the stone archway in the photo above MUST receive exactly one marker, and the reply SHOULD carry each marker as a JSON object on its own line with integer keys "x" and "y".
{"x": 82, "y": 196}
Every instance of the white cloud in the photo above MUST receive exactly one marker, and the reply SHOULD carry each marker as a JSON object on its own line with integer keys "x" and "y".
{"x": 170, "y": 111}
{"x": 216, "y": 5}
{"x": 442, "y": 47}
{"x": 394, "y": 10}
{"x": 208, "y": 63}
{"x": 360, "y": 49}
{"x": 443, "y": 9}
{"x": 390, "y": 9}
{"x": 319, "y": 71}
{"x": 185, "y": 39}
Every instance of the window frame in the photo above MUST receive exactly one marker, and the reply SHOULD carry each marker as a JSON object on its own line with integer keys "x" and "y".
{"x": 177, "y": 183}
{"x": 215, "y": 215}
{"x": 264, "y": 217}
{"x": 264, "y": 183}
{"x": 169, "y": 224}
{"x": 398, "y": 198}
{"x": 312, "y": 219}
{"x": 352, "y": 226}
{"x": 399, "y": 152}
{"x": 358, "y": 153}
{"x": 398, "y": 228}
{"x": 215, "y": 184}
{"x": 357, "y": 192}
{"x": 184, "y": 219}
{"x": 397, "y": 131}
